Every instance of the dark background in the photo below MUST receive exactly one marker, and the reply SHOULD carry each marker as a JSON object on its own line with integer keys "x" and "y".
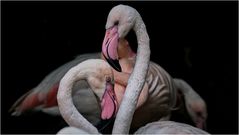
{"x": 196, "y": 41}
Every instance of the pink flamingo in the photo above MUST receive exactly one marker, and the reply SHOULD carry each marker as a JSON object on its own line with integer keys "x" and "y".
{"x": 162, "y": 95}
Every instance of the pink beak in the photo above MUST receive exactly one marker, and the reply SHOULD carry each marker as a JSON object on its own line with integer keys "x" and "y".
{"x": 201, "y": 123}
{"x": 109, "y": 103}
{"x": 109, "y": 47}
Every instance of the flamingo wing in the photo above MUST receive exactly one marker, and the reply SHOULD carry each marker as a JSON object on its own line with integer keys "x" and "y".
{"x": 44, "y": 95}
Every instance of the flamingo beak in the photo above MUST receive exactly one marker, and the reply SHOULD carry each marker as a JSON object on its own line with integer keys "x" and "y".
{"x": 109, "y": 104}
{"x": 201, "y": 124}
{"x": 109, "y": 47}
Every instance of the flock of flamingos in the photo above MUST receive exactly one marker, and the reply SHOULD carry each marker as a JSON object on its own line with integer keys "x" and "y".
{"x": 117, "y": 84}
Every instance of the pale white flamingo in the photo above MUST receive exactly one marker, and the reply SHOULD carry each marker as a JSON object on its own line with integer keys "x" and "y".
{"x": 100, "y": 77}
{"x": 162, "y": 93}
{"x": 43, "y": 96}
{"x": 195, "y": 105}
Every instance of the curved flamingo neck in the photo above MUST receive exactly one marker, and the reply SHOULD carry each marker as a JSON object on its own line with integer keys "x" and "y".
{"x": 136, "y": 80}
{"x": 65, "y": 103}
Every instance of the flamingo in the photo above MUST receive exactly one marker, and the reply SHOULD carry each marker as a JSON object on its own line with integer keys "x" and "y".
{"x": 100, "y": 76}
{"x": 195, "y": 105}
{"x": 159, "y": 127}
{"x": 43, "y": 96}
{"x": 169, "y": 127}
{"x": 162, "y": 90}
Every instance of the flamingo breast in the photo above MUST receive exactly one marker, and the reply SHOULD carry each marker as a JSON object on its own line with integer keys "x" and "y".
{"x": 162, "y": 98}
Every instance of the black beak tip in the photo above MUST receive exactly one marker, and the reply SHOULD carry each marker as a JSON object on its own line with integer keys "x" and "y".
{"x": 115, "y": 64}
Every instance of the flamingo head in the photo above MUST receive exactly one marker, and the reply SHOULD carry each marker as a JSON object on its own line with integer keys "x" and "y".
{"x": 120, "y": 21}
{"x": 109, "y": 104}
{"x": 198, "y": 112}
{"x": 101, "y": 81}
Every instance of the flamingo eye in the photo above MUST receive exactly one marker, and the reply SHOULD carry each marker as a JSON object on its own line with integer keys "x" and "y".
{"x": 198, "y": 113}
{"x": 108, "y": 79}
{"x": 116, "y": 23}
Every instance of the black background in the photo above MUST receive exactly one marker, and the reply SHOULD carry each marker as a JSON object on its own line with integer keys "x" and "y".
{"x": 38, "y": 37}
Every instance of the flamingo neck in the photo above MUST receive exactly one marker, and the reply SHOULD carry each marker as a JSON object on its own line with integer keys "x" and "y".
{"x": 136, "y": 80}
{"x": 65, "y": 103}
{"x": 186, "y": 89}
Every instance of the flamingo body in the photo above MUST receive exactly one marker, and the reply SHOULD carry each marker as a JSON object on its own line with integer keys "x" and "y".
{"x": 169, "y": 127}
{"x": 43, "y": 97}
